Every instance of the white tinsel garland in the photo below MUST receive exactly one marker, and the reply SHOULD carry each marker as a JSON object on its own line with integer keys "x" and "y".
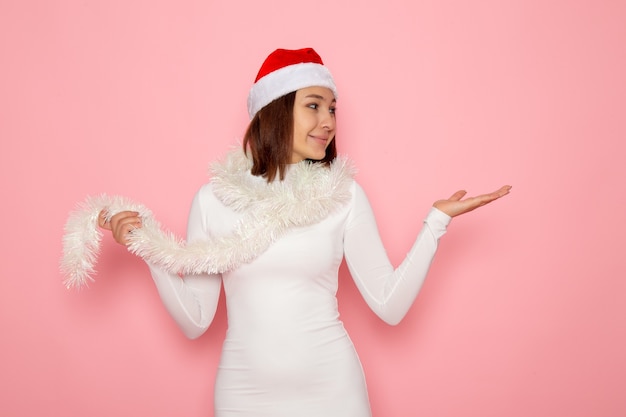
{"x": 81, "y": 241}
{"x": 307, "y": 195}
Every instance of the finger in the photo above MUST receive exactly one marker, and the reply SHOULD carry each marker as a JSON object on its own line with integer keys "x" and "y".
{"x": 481, "y": 200}
{"x": 124, "y": 222}
{"x": 504, "y": 190}
{"x": 122, "y": 232}
{"x": 102, "y": 220}
{"x": 127, "y": 223}
{"x": 501, "y": 192}
{"x": 130, "y": 228}
{"x": 458, "y": 195}
{"x": 124, "y": 217}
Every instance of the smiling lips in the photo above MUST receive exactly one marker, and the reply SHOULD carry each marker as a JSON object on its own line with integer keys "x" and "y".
{"x": 323, "y": 139}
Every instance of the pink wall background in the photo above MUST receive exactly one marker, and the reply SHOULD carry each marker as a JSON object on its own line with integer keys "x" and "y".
{"x": 523, "y": 313}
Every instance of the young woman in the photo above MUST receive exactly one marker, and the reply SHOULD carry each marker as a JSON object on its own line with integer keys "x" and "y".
{"x": 281, "y": 214}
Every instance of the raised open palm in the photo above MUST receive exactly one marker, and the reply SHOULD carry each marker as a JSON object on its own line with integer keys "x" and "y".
{"x": 456, "y": 205}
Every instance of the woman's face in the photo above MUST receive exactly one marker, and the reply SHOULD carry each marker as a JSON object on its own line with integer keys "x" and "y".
{"x": 313, "y": 123}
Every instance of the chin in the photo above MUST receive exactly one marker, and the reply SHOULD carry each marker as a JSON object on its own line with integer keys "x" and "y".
{"x": 317, "y": 157}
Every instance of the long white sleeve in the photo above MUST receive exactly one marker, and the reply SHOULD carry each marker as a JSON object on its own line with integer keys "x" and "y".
{"x": 191, "y": 300}
{"x": 388, "y": 292}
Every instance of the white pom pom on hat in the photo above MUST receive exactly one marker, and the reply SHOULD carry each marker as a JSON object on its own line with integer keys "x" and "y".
{"x": 285, "y": 71}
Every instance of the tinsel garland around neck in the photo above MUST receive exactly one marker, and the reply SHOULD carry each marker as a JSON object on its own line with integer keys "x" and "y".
{"x": 307, "y": 195}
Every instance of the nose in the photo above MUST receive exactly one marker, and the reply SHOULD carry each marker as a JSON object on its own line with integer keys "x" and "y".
{"x": 328, "y": 121}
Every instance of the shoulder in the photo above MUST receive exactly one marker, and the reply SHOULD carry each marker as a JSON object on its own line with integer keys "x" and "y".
{"x": 358, "y": 193}
{"x": 206, "y": 199}
{"x": 205, "y": 193}
{"x": 359, "y": 207}
{"x": 216, "y": 218}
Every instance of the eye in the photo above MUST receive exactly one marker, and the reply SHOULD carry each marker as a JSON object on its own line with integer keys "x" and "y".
{"x": 313, "y": 106}
{"x": 333, "y": 110}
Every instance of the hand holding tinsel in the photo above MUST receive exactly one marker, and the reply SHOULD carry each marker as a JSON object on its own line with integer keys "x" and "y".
{"x": 120, "y": 224}
{"x": 81, "y": 242}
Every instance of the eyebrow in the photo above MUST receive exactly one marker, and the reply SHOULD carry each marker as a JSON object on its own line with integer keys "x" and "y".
{"x": 317, "y": 96}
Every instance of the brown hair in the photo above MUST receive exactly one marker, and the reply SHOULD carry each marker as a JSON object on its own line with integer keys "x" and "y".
{"x": 269, "y": 138}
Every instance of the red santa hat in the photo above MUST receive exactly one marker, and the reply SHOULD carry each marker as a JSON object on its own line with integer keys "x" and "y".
{"x": 285, "y": 71}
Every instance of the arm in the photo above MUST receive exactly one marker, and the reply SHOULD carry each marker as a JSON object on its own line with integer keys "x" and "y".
{"x": 191, "y": 300}
{"x": 388, "y": 292}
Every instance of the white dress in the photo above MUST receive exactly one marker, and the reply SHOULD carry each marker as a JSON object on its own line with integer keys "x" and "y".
{"x": 286, "y": 352}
